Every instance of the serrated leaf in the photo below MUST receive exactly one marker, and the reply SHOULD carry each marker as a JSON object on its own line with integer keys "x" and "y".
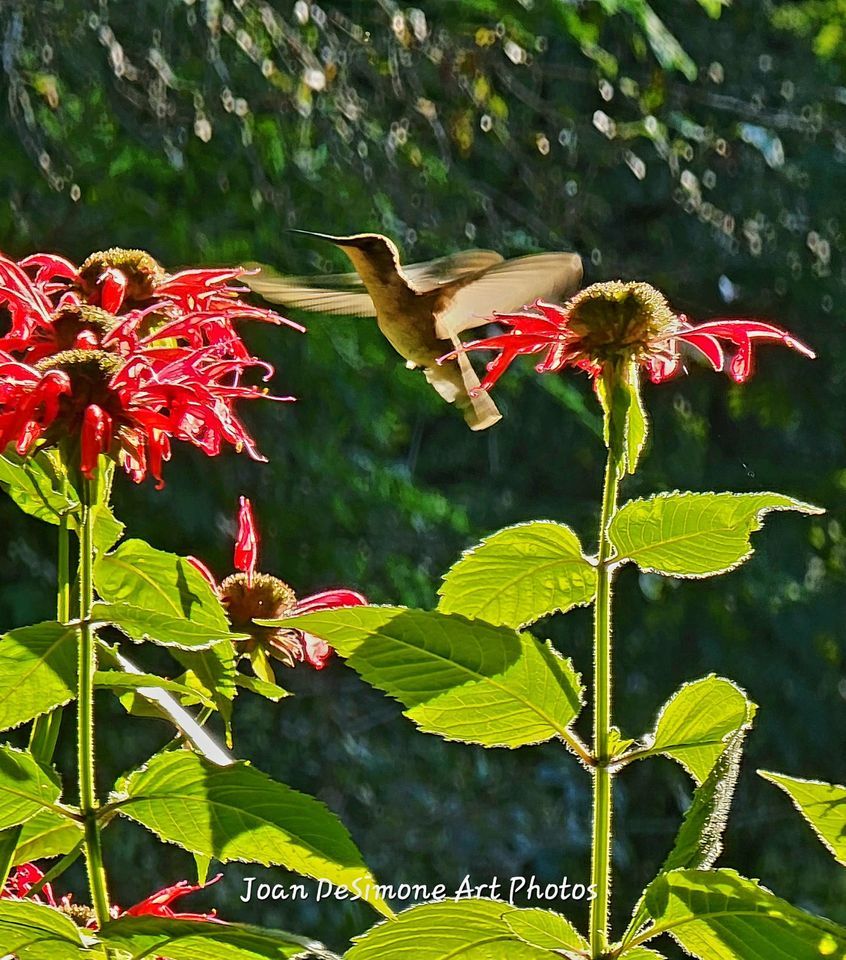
{"x": 467, "y": 929}
{"x": 699, "y": 841}
{"x": 238, "y": 813}
{"x": 45, "y": 835}
{"x": 36, "y": 487}
{"x": 462, "y": 679}
{"x": 38, "y": 667}
{"x": 694, "y": 534}
{"x": 719, "y": 915}
{"x": 545, "y": 928}
{"x": 26, "y": 787}
{"x": 146, "y": 937}
{"x": 696, "y": 723}
{"x": 823, "y": 805}
{"x": 518, "y": 575}
{"x": 139, "y": 575}
{"x": 214, "y": 672}
{"x": 140, "y": 624}
{"x": 642, "y": 953}
{"x": 270, "y": 691}
{"x": 116, "y": 680}
{"x": 32, "y": 931}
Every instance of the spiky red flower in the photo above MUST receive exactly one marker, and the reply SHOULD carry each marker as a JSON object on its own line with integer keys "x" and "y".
{"x": 619, "y": 321}
{"x": 29, "y": 875}
{"x": 129, "y": 407}
{"x": 120, "y": 301}
{"x": 248, "y": 596}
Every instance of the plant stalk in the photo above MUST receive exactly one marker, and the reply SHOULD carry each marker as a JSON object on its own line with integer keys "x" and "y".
{"x": 85, "y": 712}
{"x": 602, "y": 786}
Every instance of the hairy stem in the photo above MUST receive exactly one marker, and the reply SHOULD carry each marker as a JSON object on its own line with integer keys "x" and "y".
{"x": 85, "y": 713}
{"x": 602, "y": 797}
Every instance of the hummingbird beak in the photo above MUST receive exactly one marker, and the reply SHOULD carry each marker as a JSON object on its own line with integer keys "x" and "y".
{"x": 338, "y": 241}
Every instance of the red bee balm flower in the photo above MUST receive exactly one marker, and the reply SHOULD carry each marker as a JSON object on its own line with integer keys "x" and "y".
{"x": 129, "y": 407}
{"x": 120, "y": 300}
{"x": 248, "y": 596}
{"x": 624, "y": 322}
{"x": 28, "y": 875}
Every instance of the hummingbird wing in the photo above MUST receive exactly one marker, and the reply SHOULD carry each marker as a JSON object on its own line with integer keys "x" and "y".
{"x": 339, "y": 294}
{"x": 472, "y": 300}
{"x": 431, "y": 274}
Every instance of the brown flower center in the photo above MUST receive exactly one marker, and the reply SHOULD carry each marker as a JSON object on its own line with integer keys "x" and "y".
{"x": 71, "y": 321}
{"x": 81, "y": 915}
{"x": 619, "y": 321}
{"x": 267, "y": 598}
{"x": 141, "y": 270}
{"x": 90, "y": 373}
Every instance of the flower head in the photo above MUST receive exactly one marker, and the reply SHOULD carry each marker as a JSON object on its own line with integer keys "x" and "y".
{"x": 128, "y": 407}
{"x": 28, "y": 875}
{"x": 621, "y": 323}
{"x": 249, "y": 595}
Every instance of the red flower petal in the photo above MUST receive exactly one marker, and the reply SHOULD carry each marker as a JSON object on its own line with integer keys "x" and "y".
{"x": 246, "y": 544}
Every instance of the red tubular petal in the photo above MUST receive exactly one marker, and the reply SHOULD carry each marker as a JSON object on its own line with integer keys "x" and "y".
{"x": 96, "y": 438}
{"x": 158, "y": 904}
{"x": 316, "y": 652}
{"x": 328, "y": 600}
{"x": 113, "y": 286}
{"x": 202, "y": 569}
{"x": 247, "y": 544}
{"x": 707, "y": 345}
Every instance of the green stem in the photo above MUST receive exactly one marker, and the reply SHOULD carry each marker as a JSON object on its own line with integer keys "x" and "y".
{"x": 85, "y": 713}
{"x": 602, "y": 796}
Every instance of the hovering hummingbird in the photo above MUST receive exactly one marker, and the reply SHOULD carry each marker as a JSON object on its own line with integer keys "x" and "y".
{"x": 422, "y": 308}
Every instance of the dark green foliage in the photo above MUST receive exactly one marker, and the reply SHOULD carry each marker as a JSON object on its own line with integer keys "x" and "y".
{"x": 712, "y": 169}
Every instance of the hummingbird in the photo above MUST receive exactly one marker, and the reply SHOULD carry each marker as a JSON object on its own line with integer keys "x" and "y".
{"x": 422, "y": 308}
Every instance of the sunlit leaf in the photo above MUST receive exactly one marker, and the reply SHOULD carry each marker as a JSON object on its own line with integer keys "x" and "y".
{"x": 47, "y": 834}
{"x": 520, "y": 574}
{"x": 462, "y": 679}
{"x": 469, "y": 929}
{"x": 26, "y": 787}
{"x": 38, "y": 667}
{"x": 144, "y": 937}
{"x": 696, "y": 723}
{"x": 141, "y": 624}
{"x": 823, "y": 805}
{"x": 719, "y": 915}
{"x": 545, "y": 928}
{"x": 32, "y": 931}
{"x": 694, "y": 534}
{"x": 238, "y": 813}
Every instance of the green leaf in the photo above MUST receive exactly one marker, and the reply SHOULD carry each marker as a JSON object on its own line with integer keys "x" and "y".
{"x": 699, "y": 841}
{"x": 694, "y": 534}
{"x": 146, "y": 937}
{"x": 714, "y": 7}
{"x": 625, "y": 423}
{"x": 45, "y": 835}
{"x": 467, "y": 929}
{"x": 719, "y": 915}
{"x": 696, "y": 723}
{"x": 141, "y": 576}
{"x": 37, "y": 671}
{"x": 545, "y": 928}
{"x": 26, "y": 787}
{"x": 642, "y": 953}
{"x": 238, "y": 813}
{"x": 140, "y": 624}
{"x": 32, "y": 931}
{"x": 212, "y": 672}
{"x": 35, "y": 485}
{"x": 270, "y": 691}
{"x": 116, "y": 680}
{"x": 462, "y": 679}
{"x": 823, "y": 805}
{"x": 519, "y": 575}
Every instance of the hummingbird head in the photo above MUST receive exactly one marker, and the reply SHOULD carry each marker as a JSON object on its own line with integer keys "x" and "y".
{"x": 374, "y": 256}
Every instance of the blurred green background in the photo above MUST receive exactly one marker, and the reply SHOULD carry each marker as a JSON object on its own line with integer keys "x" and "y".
{"x": 695, "y": 144}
